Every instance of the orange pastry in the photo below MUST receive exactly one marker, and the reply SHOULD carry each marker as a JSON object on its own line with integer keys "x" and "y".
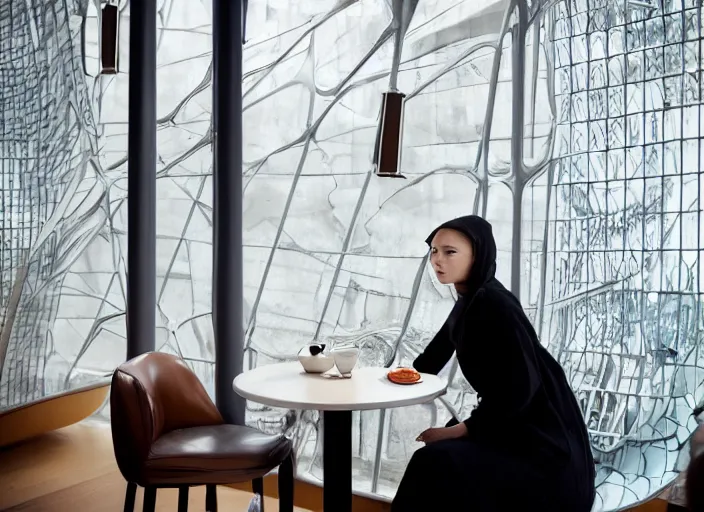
{"x": 403, "y": 375}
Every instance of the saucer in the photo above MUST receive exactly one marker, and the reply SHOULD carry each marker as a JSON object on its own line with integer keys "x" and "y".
{"x": 336, "y": 375}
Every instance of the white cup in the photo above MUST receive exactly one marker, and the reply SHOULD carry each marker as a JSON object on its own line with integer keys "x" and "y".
{"x": 345, "y": 359}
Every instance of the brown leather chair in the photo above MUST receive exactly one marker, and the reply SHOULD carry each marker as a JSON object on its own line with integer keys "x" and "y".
{"x": 166, "y": 432}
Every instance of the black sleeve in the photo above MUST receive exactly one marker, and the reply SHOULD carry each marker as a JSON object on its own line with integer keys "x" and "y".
{"x": 436, "y": 354}
{"x": 507, "y": 376}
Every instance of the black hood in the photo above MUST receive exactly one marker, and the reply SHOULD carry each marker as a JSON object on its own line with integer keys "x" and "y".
{"x": 480, "y": 234}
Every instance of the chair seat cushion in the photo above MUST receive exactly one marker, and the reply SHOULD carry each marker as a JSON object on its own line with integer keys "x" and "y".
{"x": 216, "y": 454}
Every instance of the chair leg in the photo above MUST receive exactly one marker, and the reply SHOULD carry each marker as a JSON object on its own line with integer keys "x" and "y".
{"x": 211, "y": 498}
{"x": 258, "y": 488}
{"x": 286, "y": 484}
{"x": 130, "y": 494}
{"x": 183, "y": 498}
{"x": 149, "y": 503}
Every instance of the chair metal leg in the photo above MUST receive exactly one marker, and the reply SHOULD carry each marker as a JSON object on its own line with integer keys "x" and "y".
{"x": 130, "y": 494}
{"x": 258, "y": 488}
{"x": 183, "y": 498}
{"x": 211, "y": 498}
{"x": 149, "y": 503}
{"x": 286, "y": 484}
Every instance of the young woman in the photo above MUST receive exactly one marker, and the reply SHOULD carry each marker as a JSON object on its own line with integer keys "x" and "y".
{"x": 525, "y": 447}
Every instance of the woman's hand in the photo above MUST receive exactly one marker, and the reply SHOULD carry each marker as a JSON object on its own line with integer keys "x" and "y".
{"x": 433, "y": 435}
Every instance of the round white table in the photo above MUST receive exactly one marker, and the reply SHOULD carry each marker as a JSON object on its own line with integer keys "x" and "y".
{"x": 287, "y": 385}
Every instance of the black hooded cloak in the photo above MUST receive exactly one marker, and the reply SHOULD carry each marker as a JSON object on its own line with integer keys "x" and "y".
{"x": 527, "y": 446}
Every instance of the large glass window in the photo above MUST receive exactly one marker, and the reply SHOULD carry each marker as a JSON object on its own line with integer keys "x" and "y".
{"x": 573, "y": 126}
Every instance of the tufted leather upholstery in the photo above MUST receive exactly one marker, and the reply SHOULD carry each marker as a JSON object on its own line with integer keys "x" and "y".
{"x": 167, "y": 432}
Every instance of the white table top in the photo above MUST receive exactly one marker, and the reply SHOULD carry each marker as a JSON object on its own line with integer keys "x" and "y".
{"x": 287, "y": 385}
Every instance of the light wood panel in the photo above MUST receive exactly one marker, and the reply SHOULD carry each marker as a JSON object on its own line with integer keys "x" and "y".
{"x": 310, "y": 496}
{"x": 53, "y": 462}
{"x": 106, "y": 494}
{"x": 51, "y": 413}
{"x": 74, "y": 469}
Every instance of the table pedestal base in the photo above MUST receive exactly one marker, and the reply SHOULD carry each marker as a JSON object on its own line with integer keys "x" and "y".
{"x": 337, "y": 461}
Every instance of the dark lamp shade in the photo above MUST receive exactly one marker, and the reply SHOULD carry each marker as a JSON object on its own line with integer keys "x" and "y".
{"x": 109, "y": 37}
{"x": 387, "y": 150}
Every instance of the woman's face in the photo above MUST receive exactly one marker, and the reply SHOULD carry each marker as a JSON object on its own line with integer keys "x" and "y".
{"x": 451, "y": 256}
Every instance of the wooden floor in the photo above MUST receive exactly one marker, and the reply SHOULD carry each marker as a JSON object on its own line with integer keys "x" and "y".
{"x": 74, "y": 469}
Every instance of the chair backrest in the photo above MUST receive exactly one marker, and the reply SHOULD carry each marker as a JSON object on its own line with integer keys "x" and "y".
{"x": 151, "y": 395}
